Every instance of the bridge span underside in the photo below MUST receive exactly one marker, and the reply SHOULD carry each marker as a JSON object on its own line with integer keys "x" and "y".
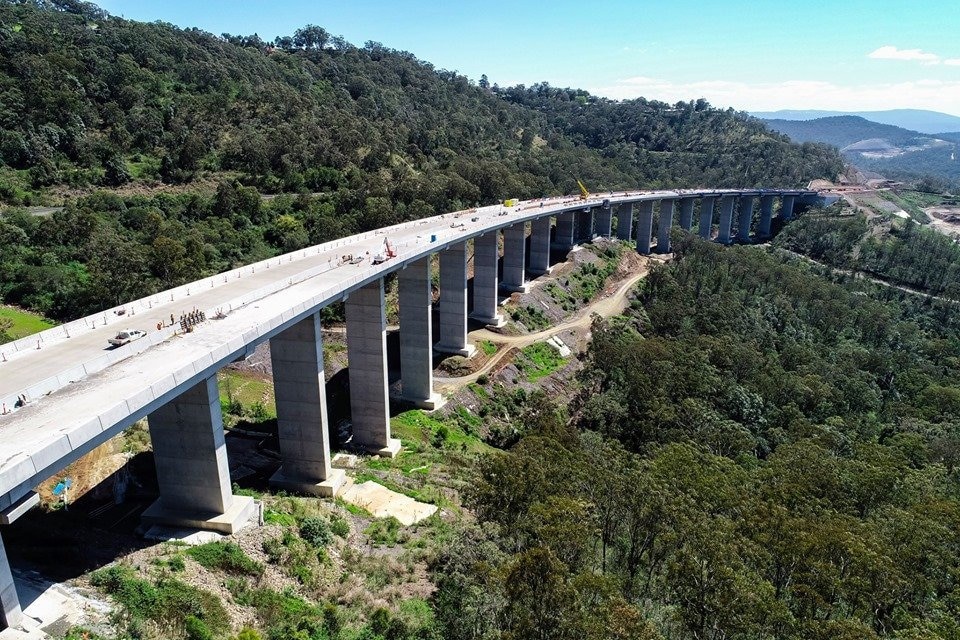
{"x": 79, "y": 395}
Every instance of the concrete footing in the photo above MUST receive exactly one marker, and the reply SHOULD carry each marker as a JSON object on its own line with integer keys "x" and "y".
{"x": 238, "y": 514}
{"x": 327, "y": 488}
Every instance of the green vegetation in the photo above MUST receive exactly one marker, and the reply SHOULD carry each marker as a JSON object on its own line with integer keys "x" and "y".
{"x": 531, "y": 317}
{"x": 909, "y": 255}
{"x": 181, "y": 609}
{"x": 17, "y": 323}
{"x": 226, "y": 557}
{"x": 910, "y": 205}
{"x": 354, "y": 137}
{"x": 246, "y": 396}
{"x": 385, "y": 532}
{"x": 487, "y": 347}
{"x": 587, "y": 280}
{"x": 755, "y": 452}
{"x": 539, "y": 361}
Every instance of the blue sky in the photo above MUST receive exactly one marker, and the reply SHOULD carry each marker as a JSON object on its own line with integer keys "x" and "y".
{"x": 757, "y": 55}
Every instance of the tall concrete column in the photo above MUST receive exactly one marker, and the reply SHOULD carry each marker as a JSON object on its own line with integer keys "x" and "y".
{"x": 706, "y": 216}
{"x": 603, "y": 222}
{"x": 644, "y": 226}
{"x": 296, "y": 355}
{"x": 686, "y": 213}
{"x": 515, "y": 258}
{"x": 367, "y": 369}
{"x": 540, "y": 246}
{"x": 786, "y": 207}
{"x": 190, "y": 453}
{"x": 10, "y": 613}
{"x": 416, "y": 335}
{"x": 564, "y": 237}
{"x": 766, "y": 216}
{"x": 663, "y": 229}
{"x": 452, "y": 307}
{"x": 584, "y": 226}
{"x": 625, "y": 221}
{"x": 746, "y": 218}
{"x": 486, "y": 255}
{"x": 726, "y": 219}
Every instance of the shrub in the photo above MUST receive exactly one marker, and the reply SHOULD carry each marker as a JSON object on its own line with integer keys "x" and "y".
{"x": 196, "y": 629}
{"x": 315, "y": 530}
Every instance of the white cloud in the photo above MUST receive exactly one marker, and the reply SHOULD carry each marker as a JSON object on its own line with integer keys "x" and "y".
{"x": 937, "y": 95}
{"x": 953, "y": 62}
{"x": 890, "y": 52}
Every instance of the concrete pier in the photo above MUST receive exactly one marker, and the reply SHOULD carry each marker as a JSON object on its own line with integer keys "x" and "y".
{"x": 584, "y": 227}
{"x": 540, "y": 246}
{"x": 686, "y": 213}
{"x": 515, "y": 258}
{"x": 10, "y": 613}
{"x": 663, "y": 229}
{"x": 452, "y": 306}
{"x": 603, "y": 222}
{"x": 786, "y": 207}
{"x": 367, "y": 368}
{"x": 746, "y": 218}
{"x": 190, "y": 453}
{"x": 766, "y": 216}
{"x": 726, "y": 219}
{"x": 644, "y": 226}
{"x": 304, "y": 432}
{"x": 564, "y": 238}
{"x": 706, "y": 216}
{"x": 625, "y": 221}
{"x": 486, "y": 255}
{"x": 416, "y": 335}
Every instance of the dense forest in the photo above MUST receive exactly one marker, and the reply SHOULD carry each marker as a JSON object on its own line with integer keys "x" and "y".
{"x": 360, "y": 136}
{"x": 908, "y": 255}
{"x": 756, "y": 452}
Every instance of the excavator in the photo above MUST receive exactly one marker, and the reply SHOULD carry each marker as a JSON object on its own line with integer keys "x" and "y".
{"x": 584, "y": 194}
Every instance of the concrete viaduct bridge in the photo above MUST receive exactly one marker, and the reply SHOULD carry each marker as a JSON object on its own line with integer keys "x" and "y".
{"x": 79, "y": 394}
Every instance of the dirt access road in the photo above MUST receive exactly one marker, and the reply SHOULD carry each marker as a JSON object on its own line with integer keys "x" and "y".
{"x": 606, "y": 306}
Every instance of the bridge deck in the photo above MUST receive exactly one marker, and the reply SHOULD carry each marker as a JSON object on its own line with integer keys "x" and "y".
{"x": 88, "y": 408}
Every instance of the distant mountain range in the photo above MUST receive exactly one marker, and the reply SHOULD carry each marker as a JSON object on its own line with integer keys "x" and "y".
{"x": 912, "y": 119}
{"x": 893, "y": 151}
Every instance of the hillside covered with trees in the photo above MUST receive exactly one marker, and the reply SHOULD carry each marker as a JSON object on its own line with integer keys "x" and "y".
{"x": 367, "y": 135}
{"x": 755, "y": 452}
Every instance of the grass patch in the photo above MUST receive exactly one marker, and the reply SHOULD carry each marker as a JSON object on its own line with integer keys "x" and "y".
{"x": 909, "y": 202}
{"x": 247, "y": 396}
{"x": 385, "y": 532}
{"x": 225, "y": 556}
{"x": 167, "y": 601}
{"x": 538, "y": 361}
{"x": 421, "y": 428}
{"x": 487, "y": 346}
{"x": 22, "y": 323}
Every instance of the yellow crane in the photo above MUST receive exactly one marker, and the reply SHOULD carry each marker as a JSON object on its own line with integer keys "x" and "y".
{"x": 584, "y": 194}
